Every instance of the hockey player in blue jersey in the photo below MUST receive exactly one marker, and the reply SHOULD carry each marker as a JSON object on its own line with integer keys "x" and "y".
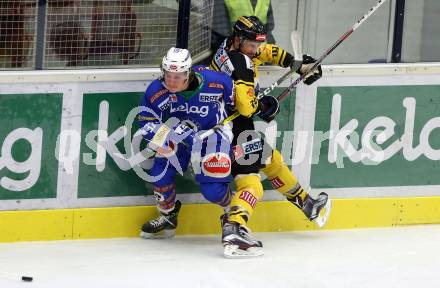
{"x": 175, "y": 108}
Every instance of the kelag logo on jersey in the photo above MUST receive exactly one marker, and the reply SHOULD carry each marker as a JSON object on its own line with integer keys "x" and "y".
{"x": 209, "y": 97}
{"x": 202, "y": 110}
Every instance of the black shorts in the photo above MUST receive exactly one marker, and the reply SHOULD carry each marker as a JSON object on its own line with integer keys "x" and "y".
{"x": 250, "y": 149}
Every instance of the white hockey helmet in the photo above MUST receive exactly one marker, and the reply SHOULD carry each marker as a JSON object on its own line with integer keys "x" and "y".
{"x": 177, "y": 60}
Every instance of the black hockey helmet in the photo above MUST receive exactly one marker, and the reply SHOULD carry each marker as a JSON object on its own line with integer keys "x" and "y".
{"x": 250, "y": 27}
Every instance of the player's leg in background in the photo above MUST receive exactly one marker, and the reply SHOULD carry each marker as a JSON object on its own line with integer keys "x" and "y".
{"x": 283, "y": 180}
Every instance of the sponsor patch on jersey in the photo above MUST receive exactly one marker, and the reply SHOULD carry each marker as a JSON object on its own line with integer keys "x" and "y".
{"x": 227, "y": 68}
{"x": 164, "y": 104}
{"x": 250, "y": 92}
{"x": 217, "y": 165}
{"x": 209, "y": 97}
{"x": 277, "y": 183}
{"x": 181, "y": 129}
{"x": 146, "y": 118}
{"x": 249, "y": 198}
{"x": 157, "y": 95}
{"x": 220, "y": 57}
{"x": 215, "y": 85}
{"x": 148, "y": 128}
{"x": 173, "y": 98}
{"x": 252, "y": 146}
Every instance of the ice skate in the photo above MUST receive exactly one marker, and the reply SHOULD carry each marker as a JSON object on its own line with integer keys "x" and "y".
{"x": 317, "y": 210}
{"x": 238, "y": 242}
{"x": 163, "y": 226}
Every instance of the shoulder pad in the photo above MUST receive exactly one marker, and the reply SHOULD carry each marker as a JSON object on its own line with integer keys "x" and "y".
{"x": 243, "y": 67}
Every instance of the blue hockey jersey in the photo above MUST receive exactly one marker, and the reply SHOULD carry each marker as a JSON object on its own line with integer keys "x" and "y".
{"x": 201, "y": 109}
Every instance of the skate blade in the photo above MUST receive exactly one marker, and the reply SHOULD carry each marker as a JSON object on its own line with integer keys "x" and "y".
{"x": 161, "y": 235}
{"x": 322, "y": 218}
{"x": 233, "y": 252}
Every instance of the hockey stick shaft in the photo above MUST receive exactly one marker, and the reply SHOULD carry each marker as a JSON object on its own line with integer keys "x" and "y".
{"x": 286, "y": 75}
{"x": 331, "y": 49}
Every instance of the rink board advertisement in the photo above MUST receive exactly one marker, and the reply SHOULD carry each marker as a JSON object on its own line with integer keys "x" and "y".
{"x": 369, "y": 136}
{"x": 29, "y": 127}
{"x": 407, "y": 142}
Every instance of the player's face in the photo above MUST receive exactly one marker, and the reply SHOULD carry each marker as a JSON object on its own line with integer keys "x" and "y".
{"x": 175, "y": 81}
{"x": 249, "y": 47}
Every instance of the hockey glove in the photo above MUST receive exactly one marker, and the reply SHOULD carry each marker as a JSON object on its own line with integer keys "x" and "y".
{"x": 270, "y": 107}
{"x": 312, "y": 76}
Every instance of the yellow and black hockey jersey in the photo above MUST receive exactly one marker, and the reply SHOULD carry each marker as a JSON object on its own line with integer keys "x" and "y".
{"x": 244, "y": 71}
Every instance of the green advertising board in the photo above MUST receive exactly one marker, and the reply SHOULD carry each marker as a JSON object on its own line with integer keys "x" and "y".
{"x": 116, "y": 178}
{"x": 111, "y": 180}
{"x": 382, "y": 136}
{"x": 29, "y": 127}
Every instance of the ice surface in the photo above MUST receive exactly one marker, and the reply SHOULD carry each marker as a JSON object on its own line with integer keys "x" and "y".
{"x": 388, "y": 257}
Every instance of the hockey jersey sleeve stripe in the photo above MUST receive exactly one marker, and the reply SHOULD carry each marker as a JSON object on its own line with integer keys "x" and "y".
{"x": 241, "y": 82}
{"x": 214, "y": 66}
{"x": 281, "y": 60}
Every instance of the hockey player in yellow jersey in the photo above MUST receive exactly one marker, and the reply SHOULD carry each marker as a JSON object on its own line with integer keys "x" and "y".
{"x": 239, "y": 56}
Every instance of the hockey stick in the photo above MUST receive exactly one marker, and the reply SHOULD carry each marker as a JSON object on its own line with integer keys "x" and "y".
{"x": 330, "y": 50}
{"x": 301, "y": 78}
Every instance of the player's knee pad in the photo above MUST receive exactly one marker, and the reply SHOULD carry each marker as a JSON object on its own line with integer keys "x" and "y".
{"x": 162, "y": 173}
{"x": 165, "y": 197}
{"x": 249, "y": 191}
{"x": 217, "y": 193}
{"x": 279, "y": 174}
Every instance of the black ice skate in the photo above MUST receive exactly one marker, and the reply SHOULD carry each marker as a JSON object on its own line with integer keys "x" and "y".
{"x": 317, "y": 210}
{"x": 163, "y": 226}
{"x": 238, "y": 242}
